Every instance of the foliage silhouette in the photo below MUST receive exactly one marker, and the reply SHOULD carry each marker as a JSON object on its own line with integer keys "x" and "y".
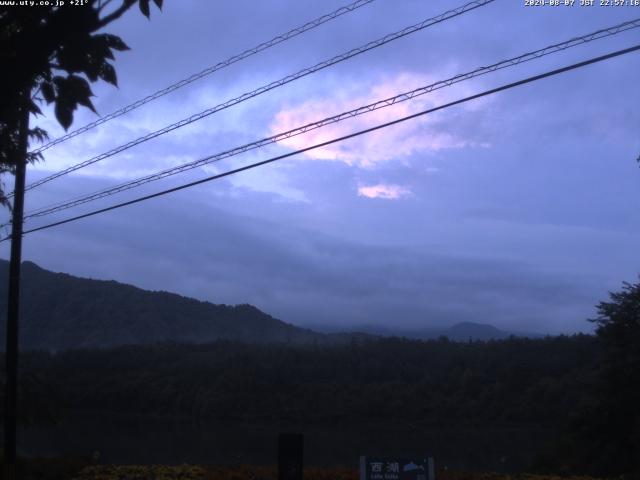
{"x": 603, "y": 438}
{"x": 616, "y": 422}
{"x": 51, "y": 54}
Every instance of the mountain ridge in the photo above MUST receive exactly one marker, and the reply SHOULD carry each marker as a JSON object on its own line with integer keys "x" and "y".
{"x": 60, "y": 311}
{"x": 459, "y": 332}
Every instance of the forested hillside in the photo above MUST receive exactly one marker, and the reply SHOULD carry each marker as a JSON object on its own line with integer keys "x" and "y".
{"x": 509, "y": 381}
{"x": 60, "y": 311}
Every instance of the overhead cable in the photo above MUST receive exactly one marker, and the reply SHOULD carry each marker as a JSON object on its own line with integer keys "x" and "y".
{"x": 387, "y": 102}
{"x": 340, "y": 139}
{"x": 278, "y": 83}
{"x": 209, "y": 70}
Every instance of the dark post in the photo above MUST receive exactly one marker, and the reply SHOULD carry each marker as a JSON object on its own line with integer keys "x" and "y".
{"x": 290, "y": 455}
{"x": 13, "y": 298}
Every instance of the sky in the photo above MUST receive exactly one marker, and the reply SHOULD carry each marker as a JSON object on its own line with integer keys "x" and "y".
{"x": 519, "y": 209}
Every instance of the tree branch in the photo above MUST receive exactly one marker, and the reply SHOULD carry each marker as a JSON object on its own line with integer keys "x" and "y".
{"x": 103, "y": 5}
{"x": 126, "y": 5}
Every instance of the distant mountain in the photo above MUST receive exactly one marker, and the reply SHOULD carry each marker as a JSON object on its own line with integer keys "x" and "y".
{"x": 460, "y": 332}
{"x": 60, "y": 311}
{"x": 475, "y": 331}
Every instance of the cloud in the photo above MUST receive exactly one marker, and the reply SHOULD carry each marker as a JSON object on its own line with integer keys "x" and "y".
{"x": 386, "y": 191}
{"x": 274, "y": 179}
{"x": 295, "y": 240}
{"x": 421, "y": 135}
{"x": 304, "y": 276}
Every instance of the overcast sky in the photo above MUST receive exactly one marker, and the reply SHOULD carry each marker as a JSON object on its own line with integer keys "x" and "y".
{"x": 520, "y": 209}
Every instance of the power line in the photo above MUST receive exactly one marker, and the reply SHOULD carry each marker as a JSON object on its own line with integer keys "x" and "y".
{"x": 602, "y": 33}
{"x": 343, "y": 138}
{"x": 278, "y": 83}
{"x": 209, "y": 70}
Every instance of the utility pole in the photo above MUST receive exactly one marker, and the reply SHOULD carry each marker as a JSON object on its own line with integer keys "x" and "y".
{"x": 13, "y": 297}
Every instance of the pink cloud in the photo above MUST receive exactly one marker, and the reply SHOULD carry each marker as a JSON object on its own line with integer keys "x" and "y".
{"x": 386, "y": 191}
{"x": 424, "y": 134}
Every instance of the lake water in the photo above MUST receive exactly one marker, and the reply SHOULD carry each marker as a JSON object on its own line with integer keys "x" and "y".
{"x": 122, "y": 439}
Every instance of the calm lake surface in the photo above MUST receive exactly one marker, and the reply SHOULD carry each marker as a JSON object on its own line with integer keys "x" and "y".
{"x": 122, "y": 439}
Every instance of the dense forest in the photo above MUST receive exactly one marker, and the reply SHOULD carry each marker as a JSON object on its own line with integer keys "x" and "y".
{"x": 517, "y": 380}
{"x": 554, "y": 382}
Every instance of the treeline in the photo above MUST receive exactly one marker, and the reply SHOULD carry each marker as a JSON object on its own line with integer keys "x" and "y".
{"x": 545, "y": 381}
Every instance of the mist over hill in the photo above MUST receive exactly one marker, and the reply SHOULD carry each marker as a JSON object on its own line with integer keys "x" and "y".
{"x": 460, "y": 332}
{"x": 61, "y": 311}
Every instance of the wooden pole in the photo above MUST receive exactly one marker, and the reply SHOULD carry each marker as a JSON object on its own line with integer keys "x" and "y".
{"x": 13, "y": 302}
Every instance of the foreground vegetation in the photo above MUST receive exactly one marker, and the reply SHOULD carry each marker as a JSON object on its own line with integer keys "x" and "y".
{"x": 83, "y": 469}
{"x": 187, "y": 472}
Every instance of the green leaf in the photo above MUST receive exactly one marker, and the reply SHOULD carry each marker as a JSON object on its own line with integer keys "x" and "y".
{"x": 77, "y": 87}
{"x": 97, "y": 48}
{"x": 47, "y": 92}
{"x": 108, "y": 74}
{"x": 86, "y": 102}
{"x": 34, "y": 109}
{"x": 72, "y": 57}
{"x": 93, "y": 75}
{"x": 33, "y": 157}
{"x": 72, "y": 91}
{"x": 144, "y": 8}
{"x": 58, "y": 81}
{"x": 93, "y": 69}
{"x": 80, "y": 91}
{"x": 38, "y": 134}
{"x": 114, "y": 42}
{"x": 64, "y": 113}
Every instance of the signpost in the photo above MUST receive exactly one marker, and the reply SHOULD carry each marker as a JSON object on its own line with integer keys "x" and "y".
{"x": 290, "y": 456}
{"x": 385, "y": 468}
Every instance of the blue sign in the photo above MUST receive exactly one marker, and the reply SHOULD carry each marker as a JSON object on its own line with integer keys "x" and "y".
{"x": 383, "y": 468}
